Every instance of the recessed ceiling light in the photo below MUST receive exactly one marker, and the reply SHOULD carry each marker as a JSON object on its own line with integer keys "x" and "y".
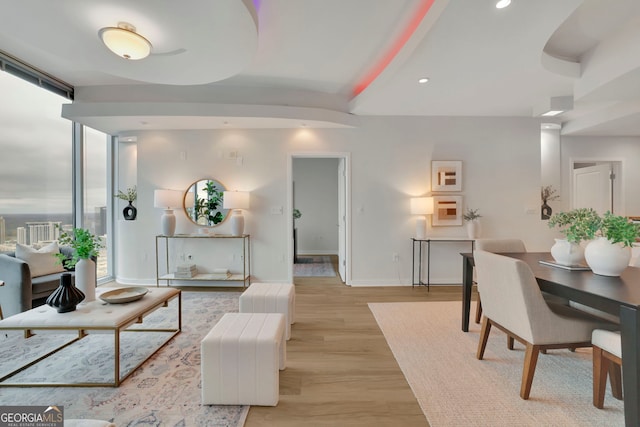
{"x": 502, "y": 4}
{"x": 423, "y": 80}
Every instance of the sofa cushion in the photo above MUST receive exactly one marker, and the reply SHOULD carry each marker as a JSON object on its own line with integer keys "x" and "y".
{"x": 42, "y": 286}
{"x": 41, "y": 261}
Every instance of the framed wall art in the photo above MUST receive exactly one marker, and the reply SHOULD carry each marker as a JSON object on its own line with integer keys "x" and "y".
{"x": 446, "y": 175}
{"x": 447, "y": 211}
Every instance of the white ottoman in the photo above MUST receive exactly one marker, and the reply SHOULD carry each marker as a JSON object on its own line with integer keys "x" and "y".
{"x": 240, "y": 360}
{"x": 270, "y": 298}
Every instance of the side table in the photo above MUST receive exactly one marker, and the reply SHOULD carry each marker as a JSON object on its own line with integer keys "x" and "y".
{"x": 417, "y": 244}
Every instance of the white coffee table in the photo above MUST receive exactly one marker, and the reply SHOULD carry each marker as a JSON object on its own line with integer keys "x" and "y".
{"x": 95, "y": 316}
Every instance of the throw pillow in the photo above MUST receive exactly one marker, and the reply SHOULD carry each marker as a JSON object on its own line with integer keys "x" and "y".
{"x": 41, "y": 261}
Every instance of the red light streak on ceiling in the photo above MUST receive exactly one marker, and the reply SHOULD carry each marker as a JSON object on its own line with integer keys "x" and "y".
{"x": 386, "y": 59}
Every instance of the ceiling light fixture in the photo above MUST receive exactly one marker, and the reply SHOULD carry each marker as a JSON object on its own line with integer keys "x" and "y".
{"x": 502, "y": 4}
{"x": 423, "y": 80}
{"x": 125, "y": 42}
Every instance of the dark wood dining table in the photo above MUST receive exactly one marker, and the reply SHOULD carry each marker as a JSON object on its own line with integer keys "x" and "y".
{"x": 616, "y": 295}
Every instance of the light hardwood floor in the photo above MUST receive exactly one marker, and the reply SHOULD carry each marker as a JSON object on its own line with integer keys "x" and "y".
{"x": 340, "y": 370}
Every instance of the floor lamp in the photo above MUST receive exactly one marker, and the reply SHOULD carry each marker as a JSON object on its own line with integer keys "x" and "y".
{"x": 236, "y": 200}
{"x": 421, "y": 206}
{"x": 167, "y": 200}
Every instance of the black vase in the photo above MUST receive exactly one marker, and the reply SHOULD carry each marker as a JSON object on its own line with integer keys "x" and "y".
{"x": 545, "y": 211}
{"x": 130, "y": 212}
{"x": 66, "y": 296}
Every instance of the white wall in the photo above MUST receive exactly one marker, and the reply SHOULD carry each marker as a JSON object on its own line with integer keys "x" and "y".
{"x": 316, "y": 196}
{"x": 390, "y": 162}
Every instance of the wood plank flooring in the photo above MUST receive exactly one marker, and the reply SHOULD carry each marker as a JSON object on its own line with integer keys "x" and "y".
{"x": 340, "y": 370}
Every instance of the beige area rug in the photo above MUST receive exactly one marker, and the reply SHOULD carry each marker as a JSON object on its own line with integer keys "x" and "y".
{"x": 314, "y": 266}
{"x": 453, "y": 388}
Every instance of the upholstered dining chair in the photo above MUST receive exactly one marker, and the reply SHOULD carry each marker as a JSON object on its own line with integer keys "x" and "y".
{"x": 496, "y": 246}
{"x": 607, "y": 358}
{"x": 513, "y": 303}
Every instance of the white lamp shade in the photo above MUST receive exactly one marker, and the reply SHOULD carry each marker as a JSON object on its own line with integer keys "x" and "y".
{"x": 167, "y": 199}
{"x": 125, "y": 42}
{"x": 235, "y": 200}
{"x": 189, "y": 199}
{"x": 422, "y": 205}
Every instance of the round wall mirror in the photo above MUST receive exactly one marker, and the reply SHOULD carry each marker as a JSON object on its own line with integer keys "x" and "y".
{"x": 203, "y": 203}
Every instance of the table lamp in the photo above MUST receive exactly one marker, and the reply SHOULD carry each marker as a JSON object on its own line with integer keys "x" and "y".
{"x": 167, "y": 200}
{"x": 421, "y": 206}
{"x": 236, "y": 200}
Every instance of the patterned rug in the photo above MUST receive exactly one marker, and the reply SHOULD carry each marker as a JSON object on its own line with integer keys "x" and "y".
{"x": 164, "y": 391}
{"x": 456, "y": 389}
{"x": 318, "y": 265}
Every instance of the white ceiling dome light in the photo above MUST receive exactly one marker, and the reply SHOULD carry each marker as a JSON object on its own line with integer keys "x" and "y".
{"x": 125, "y": 42}
{"x": 501, "y": 4}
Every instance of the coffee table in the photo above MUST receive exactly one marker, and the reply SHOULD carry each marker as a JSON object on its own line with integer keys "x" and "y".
{"x": 93, "y": 317}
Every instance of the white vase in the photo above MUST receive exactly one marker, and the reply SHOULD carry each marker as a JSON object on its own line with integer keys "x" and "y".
{"x": 86, "y": 278}
{"x": 606, "y": 258}
{"x": 473, "y": 229}
{"x": 567, "y": 253}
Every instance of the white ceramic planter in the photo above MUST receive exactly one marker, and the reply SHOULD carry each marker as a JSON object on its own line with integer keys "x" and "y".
{"x": 566, "y": 253}
{"x": 606, "y": 258}
{"x": 473, "y": 229}
{"x": 86, "y": 278}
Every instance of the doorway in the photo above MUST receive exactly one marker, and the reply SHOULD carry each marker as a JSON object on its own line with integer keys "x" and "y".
{"x": 597, "y": 184}
{"x": 318, "y": 188}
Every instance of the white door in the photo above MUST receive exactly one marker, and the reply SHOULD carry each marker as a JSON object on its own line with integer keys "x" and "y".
{"x": 342, "y": 216}
{"x": 592, "y": 188}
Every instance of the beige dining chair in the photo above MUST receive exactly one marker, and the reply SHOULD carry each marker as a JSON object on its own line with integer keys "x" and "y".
{"x": 513, "y": 303}
{"x": 499, "y": 246}
{"x": 607, "y": 358}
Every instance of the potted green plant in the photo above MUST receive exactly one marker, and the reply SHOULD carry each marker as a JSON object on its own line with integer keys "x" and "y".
{"x": 129, "y": 212}
{"x": 577, "y": 225}
{"x": 610, "y": 238}
{"x": 86, "y": 247}
{"x": 473, "y": 224}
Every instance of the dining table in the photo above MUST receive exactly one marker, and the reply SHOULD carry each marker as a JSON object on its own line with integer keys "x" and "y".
{"x": 619, "y": 296}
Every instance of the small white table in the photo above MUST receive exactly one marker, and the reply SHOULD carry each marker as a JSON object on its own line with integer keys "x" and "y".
{"x": 94, "y": 316}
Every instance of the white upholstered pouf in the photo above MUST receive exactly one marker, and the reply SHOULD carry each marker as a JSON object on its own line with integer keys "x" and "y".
{"x": 270, "y": 298}
{"x": 241, "y": 358}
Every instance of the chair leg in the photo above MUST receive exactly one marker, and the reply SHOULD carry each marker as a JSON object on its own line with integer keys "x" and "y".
{"x": 484, "y": 336}
{"x": 478, "y": 310}
{"x": 600, "y": 368}
{"x": 615, "y": 378}
{"x": 510, "y": 342}
{"x": 530, "y": 361}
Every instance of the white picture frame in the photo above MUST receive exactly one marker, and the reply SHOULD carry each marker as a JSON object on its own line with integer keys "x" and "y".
{"x": 446, "y": 175}
{"x": 447, "y": 211}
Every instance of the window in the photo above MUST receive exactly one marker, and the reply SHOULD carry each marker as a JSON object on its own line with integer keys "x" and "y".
{"x": 36, "y": 169}
{"x": 35, "y": 165}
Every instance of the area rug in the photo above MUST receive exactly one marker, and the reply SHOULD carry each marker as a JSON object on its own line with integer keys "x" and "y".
{"x": 314, "y": 266}
{"x": 453, "y": 388}
{"x": 164, "y": 391}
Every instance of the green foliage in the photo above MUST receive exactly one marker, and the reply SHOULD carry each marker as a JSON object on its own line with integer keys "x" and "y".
{"x": 85, "y": 246}
{"x": 211, "y": 207}
{"x": 130, "y": 196}
{"x": 297, "y": 214}
{"x": 471, "y": 214}
{"x": 586, "y": 224}
{"x": 619, "y": 229}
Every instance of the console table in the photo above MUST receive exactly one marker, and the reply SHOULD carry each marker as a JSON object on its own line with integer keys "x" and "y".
{"x": 417, "y": 247}
{"x": 244, "y": 276}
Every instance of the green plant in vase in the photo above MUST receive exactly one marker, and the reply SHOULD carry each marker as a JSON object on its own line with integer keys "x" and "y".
{"x": 129, "y": 212}
{"x": 577, "y": 225}
{"x": 85, "y": 246}
{"x": 619, "y": 229}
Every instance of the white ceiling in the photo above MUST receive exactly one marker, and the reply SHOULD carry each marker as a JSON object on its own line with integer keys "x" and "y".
{"x": 279, "y": 63}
